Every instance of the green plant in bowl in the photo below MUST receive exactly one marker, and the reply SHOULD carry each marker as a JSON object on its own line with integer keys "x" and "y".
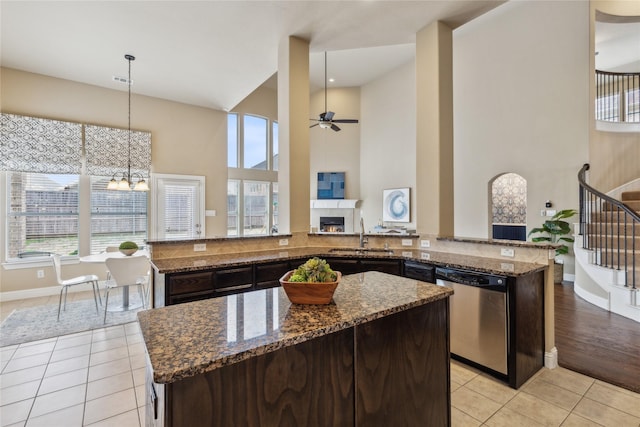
{"x": 128, "y": 247}
{"x": 315, "y": 270}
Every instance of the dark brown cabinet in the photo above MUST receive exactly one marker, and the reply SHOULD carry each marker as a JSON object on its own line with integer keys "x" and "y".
{"x": 268, "y": 275}
{"x": 176, "y": 288}
{"x": 232, "y": 280}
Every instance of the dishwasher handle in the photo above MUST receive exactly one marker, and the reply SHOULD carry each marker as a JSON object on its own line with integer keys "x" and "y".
{"x": 485, "y": 281}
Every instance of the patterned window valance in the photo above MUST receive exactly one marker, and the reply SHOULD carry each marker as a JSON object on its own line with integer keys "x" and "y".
{"x": 107, "y": 151}
{"x": 31, "y": 144}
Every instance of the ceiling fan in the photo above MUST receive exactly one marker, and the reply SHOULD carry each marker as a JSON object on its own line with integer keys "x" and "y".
{"x": 325, "y": 119}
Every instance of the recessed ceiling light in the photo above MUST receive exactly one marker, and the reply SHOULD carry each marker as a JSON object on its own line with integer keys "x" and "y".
{"x": 331, "y": 80}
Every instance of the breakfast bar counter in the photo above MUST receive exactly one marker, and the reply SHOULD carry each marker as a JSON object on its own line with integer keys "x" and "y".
{"x": 378, "y": 354}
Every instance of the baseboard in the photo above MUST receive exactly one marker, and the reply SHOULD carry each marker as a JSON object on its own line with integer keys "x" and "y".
{"x": 39, "y": 292}
{"x": 569, "y": 277}
{"x": 551, "y": 358}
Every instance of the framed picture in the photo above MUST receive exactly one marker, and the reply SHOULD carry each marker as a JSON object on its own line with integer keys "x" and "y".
{"x": 330, "y": 185}
{"x": 396, "y": 205}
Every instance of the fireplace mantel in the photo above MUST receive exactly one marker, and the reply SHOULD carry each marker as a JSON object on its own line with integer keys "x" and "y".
{"x": 334, "y": 204}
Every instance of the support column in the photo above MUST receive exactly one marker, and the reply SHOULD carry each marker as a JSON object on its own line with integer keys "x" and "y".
{"x": 434, "y": 130}
{"x": 293, "y": 136}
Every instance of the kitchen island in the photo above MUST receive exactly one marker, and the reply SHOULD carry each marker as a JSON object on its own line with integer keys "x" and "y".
{"x": 377, "y": 355}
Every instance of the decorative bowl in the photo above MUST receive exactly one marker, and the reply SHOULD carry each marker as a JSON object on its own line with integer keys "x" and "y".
{"x": 128, "y": 252}
{"x": 309, "y": 292}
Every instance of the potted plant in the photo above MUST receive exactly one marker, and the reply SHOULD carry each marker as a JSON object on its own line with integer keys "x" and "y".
{"x": 128, "y": 248}
{"x": 314, "y": 282}
{"x": 556, "y": 230}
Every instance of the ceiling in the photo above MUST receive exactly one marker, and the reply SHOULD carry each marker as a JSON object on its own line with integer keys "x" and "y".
{"x": 215, "y": 53}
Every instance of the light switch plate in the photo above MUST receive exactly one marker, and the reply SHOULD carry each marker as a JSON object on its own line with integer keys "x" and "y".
{"x": 510, "y": 252}
{"x": 211, "y": 212}
{"x": 284, "y": 242}
{"x": 200, "y": 247}
{"x": 425, "y": 243}
{"x": 407, "y": 242}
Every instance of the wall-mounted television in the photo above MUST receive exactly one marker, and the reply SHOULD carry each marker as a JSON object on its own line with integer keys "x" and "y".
{"x": 330, "y": 185}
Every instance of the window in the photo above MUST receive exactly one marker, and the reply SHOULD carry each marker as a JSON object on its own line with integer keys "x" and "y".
{"x": 42, "y": 215}
{"x": 252, "y": 189}
{"x": 179, "y": 206}
{"x": 116, "y": 216}
{"x": 52, "y": 205}
{"x": 632, "y": 106}
{"x": 255, "y": 142}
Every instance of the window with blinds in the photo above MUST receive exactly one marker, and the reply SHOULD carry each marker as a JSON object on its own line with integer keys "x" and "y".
{"x": 42, "y": 215}
{"x": 116, "y": 216}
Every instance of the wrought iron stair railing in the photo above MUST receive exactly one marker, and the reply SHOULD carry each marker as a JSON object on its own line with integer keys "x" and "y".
{"x": 611, "y": 230}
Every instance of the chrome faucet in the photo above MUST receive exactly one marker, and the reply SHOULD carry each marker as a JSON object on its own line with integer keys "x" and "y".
{"x": 363, "y": 240}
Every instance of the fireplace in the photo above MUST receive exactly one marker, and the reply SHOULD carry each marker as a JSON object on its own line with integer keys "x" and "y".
{"x": 332, "y": 224}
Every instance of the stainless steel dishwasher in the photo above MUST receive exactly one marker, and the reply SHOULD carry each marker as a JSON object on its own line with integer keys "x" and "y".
{"x": 479, "y": 316}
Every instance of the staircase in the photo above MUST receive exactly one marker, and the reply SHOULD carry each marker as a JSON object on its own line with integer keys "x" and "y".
{"x": 607, "y": 250}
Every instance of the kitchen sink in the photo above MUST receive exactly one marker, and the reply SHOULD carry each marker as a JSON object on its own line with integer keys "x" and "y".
{"x": 361, "y": 251}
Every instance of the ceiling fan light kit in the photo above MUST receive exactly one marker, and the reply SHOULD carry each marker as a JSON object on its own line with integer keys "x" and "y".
{"x": 325, "y": 120}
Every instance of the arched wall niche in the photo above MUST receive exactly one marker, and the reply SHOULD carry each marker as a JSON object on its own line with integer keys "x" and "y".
{"x": 508, "y": 195}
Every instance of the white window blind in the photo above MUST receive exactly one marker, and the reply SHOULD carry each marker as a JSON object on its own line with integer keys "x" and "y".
{"x": 116, "y": 216}
{"x": 179, "y": 206}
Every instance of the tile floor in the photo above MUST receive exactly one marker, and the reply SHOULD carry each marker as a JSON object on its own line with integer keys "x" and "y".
{"x": 96, "y": 378}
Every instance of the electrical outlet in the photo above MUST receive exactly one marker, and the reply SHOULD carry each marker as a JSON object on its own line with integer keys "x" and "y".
{"x": 506, "y": 266}
{"x": 40, "y": 274}
{"x": 508, "y": 252}
{"x": 284, "y": 242}
{"x": 425, "y": 255}
{"x": 407, "y": 254}
{"x": 551, "y": 212}
{"x": 407, "y": 242}
{"x": 199, "y": 247}
{"x": 211, "y": 212}
{"x": 425, "y": 243}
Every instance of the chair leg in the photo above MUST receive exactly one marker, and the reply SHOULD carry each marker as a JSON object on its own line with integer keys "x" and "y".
{"x": 60, "y": 302}
{"x": 106, "y": 304}
{"x": 94, "y": 285}
{"x": 66, "y": 292}
{"x": 98, "y": 289}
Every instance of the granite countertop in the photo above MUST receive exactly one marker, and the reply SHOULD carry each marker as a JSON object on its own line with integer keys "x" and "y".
{"x": 188, "y": 339}
{"x": 440, "y": 259}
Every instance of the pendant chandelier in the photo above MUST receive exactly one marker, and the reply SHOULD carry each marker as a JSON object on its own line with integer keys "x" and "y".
{"x": 125, "y": 183}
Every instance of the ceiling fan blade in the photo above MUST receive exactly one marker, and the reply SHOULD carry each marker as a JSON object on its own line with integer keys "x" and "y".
{"x": 345, "y": 121}
{"x": 314, "y": 125}
{"x": 334, "y": 127}
{"x": 322, "y": 115}
{"x": 328, "y": 115}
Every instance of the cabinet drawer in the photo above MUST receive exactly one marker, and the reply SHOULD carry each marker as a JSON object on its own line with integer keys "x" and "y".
{"x": 390, "y": 266}
{"x": 233, "y": 278}
{"x": 271, "y": 272}
{"x": 344, "y": 265}
{"x": 190, "y": 283}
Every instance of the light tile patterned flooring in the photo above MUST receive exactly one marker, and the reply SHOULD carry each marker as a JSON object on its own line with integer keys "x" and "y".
{"x": 96, "y": 378}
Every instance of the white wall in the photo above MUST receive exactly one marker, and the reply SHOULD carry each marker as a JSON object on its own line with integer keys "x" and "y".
{"x": 388, "y": 140}
{"x": 521, "y": 105}
{"x": 332, "y": 151}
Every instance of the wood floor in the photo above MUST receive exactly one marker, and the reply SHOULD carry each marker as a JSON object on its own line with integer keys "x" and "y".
{"x": 595, "y": 342}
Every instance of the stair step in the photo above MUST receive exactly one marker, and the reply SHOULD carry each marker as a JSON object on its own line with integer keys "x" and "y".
{"x": 610, "y": 216}
{"x": 611, "y": 241}
{"x": 630, "y": 195}
{"x": 632, "y": 204}
{"x": 612, "y": 228}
